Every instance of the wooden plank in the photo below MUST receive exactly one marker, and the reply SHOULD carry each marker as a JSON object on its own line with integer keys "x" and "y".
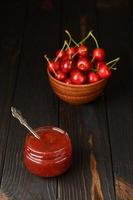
{"x": 12, "y": 23}
{"x": 119, "y": 95}
{"x": 34, "y": 97}
{"x": 83, "y": 121}
{"x": 130, "y": 19}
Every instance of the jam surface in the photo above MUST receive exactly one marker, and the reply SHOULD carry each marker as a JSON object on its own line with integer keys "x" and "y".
{"x": 49, "y": 156}
{"x": 50, "y": 140}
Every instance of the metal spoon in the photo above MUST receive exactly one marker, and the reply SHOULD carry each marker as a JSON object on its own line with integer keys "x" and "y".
{"x": 17, "y": 114}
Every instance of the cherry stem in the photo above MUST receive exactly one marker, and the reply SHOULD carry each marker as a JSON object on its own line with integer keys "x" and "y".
{"x": 115, "y": 60}
{"x": 88, "y": 35}
{"x": 94, "y": 70}
{"x": 45, "y": 56}
{"x": 61, "y": 50}
{"x": 114, "y": 63}
{"x": 92, "y": 59}
{"x": 67, "y": 48}
{"x": 74, "y": 54}
{"x": 97, "y": 45}
{"x": 67, "y": 44}
{"x": 71, "y": 39}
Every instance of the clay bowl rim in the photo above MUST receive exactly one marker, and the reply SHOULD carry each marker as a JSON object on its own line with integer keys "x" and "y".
{"x": 74, "y": 85}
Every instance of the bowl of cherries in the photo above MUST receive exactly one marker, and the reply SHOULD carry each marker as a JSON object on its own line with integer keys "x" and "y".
{"x": 76, "y": 75}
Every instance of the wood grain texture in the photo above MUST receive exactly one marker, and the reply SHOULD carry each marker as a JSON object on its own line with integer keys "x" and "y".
{"x": 3, "y": 196}
{"x": 96, "y": 187}
{"x": 37, "y": 103}
{"x": 124, "y": 190}
{"x": 11, "y": 35}
{"x": 80, "y": 122}
{"x": 119, "y": 94}
{"x": 30, "y": 30}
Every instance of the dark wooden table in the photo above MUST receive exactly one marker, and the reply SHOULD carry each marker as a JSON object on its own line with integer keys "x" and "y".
{"x": 101, "y": 131}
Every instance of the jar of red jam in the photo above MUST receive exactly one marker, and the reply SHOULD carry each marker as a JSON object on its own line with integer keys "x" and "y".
{"x": 49, "y": 156}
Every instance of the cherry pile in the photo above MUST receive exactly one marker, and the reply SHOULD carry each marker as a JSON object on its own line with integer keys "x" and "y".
{"x": 75, "y": 64}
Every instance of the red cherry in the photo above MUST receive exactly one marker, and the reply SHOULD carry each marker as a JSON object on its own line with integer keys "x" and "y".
{"x": 68, "y": 81}
{"x": 61, "y": 76}
{"x": 93, "y": 77}
{"x": 104, "y": 71}
{"x": 60, "y": 53}
{"x": 71, "y": 51}
{"x": 53, "y": 66}
{"x": 99, "y": 63}
{"x": 77, "y": 77}
{"x": 98, "y": 54}
{"x": 66, "y": 66}
{"x": 82, "y": 50}
{"x": 65, "y": 57}
{"x": 83, "y": 64}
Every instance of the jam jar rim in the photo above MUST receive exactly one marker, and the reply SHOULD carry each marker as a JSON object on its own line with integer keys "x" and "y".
{"x": 60, "y": 150}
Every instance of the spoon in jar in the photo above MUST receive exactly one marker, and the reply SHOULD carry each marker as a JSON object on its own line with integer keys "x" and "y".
{"x": 17, "y": 114}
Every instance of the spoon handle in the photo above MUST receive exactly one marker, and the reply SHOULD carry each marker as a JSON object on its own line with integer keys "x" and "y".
{"x": 17, "y": 114}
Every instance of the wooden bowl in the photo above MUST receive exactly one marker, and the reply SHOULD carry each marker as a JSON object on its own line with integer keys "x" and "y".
{"x": 77, "y": 94}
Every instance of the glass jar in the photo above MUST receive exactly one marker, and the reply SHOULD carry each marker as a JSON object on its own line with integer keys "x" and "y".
{"x": 49, "y": 156}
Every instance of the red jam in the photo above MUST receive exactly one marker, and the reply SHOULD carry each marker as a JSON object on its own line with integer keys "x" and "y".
{"x": 51, "y": 155}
